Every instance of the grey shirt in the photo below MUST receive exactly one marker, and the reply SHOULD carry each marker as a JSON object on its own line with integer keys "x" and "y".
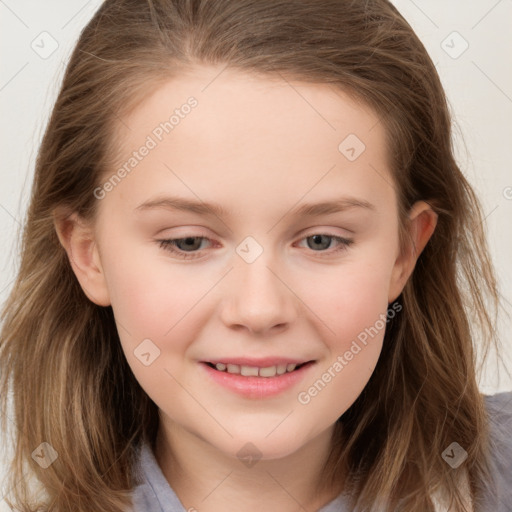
{"x": 156, "y": 495}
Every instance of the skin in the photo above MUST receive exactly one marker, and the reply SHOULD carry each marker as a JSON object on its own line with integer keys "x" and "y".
{"x": 260, "y": 147}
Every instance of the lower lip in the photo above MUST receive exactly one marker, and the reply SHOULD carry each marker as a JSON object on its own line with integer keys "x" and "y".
{"x": 258, "y": 387}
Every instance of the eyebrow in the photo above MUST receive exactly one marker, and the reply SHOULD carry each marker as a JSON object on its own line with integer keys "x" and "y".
{"x": 212, "y": 209}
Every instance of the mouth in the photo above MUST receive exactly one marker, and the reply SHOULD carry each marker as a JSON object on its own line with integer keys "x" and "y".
{"x": 257, "y": 371}
{"x": 258, "y": 378}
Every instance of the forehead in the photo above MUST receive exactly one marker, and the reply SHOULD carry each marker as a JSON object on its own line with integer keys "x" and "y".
{"x": 230, "y": 99}
{"x": 263, "y": 136}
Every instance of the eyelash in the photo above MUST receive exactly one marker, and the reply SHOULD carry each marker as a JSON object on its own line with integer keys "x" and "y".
{"x": 169, "y": 245}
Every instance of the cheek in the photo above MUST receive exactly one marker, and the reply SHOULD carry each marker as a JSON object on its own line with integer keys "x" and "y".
{"x": 349, "y": 298}
{"x": 150, "y": 295}
{"x": 353, "y": 312}
{"x": 155, "y": 308}
{"x": 351, "y": 303}
{"x": 365, "y": 299}
{"x": 158, "y": 302}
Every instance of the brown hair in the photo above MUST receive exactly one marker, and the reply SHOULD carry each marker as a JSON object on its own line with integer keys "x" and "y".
{"x": 71, "y": 384}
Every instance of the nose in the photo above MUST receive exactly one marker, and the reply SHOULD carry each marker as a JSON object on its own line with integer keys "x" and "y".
{"x": 257, "y": 298}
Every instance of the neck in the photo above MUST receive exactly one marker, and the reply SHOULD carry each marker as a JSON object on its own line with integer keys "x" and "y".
{"x": 206, "y": 479}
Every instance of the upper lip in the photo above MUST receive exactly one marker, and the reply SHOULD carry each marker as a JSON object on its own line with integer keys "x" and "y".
{"x": 263, "y": 362}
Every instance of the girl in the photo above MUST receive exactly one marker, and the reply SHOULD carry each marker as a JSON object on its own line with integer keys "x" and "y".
{"x": 250, "y": 273}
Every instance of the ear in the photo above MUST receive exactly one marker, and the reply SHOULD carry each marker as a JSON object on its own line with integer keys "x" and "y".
{"x": 77, "y": 238}
{"x": 422, "y": 223}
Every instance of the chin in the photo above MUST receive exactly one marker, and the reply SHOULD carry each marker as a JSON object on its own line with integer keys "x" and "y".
{"x": 249, "y": 449}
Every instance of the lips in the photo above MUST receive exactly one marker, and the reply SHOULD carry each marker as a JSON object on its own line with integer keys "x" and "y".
{"x": 264, "y": 384}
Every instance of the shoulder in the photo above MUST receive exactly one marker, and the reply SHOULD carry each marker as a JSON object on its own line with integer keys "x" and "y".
{"x": 499, "y": 409}
{"x": 153, "y": 493}
{"x": 500, "y": 402}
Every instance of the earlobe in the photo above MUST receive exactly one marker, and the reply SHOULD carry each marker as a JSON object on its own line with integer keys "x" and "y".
{"x": 422, "y": 224}
{"x": 77, "y": 239}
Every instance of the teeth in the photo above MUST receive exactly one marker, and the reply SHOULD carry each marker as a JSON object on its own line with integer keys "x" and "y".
{"x": 249, "y": 371}
{"x": 281, "y": 368}
{"x": 254, "y": 371}
{"x": 268, "y": 372}
{"x": 233, "y": 368}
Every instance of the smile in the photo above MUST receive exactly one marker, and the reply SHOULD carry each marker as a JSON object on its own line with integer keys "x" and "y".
{"x": 255, "y": 371}
{"x": 257, "y": 382}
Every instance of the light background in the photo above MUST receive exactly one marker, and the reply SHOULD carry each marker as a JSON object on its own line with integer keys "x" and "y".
{"x": 478, "y": 82}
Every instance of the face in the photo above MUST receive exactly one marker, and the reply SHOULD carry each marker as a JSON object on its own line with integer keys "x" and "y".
{"x": 261, "y": 279}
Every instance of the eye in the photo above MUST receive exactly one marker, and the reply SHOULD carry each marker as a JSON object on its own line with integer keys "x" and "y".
{"x": 185, "y": 248}
{"x": 190, "y": 247}
{"x": 323, "y": 241}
